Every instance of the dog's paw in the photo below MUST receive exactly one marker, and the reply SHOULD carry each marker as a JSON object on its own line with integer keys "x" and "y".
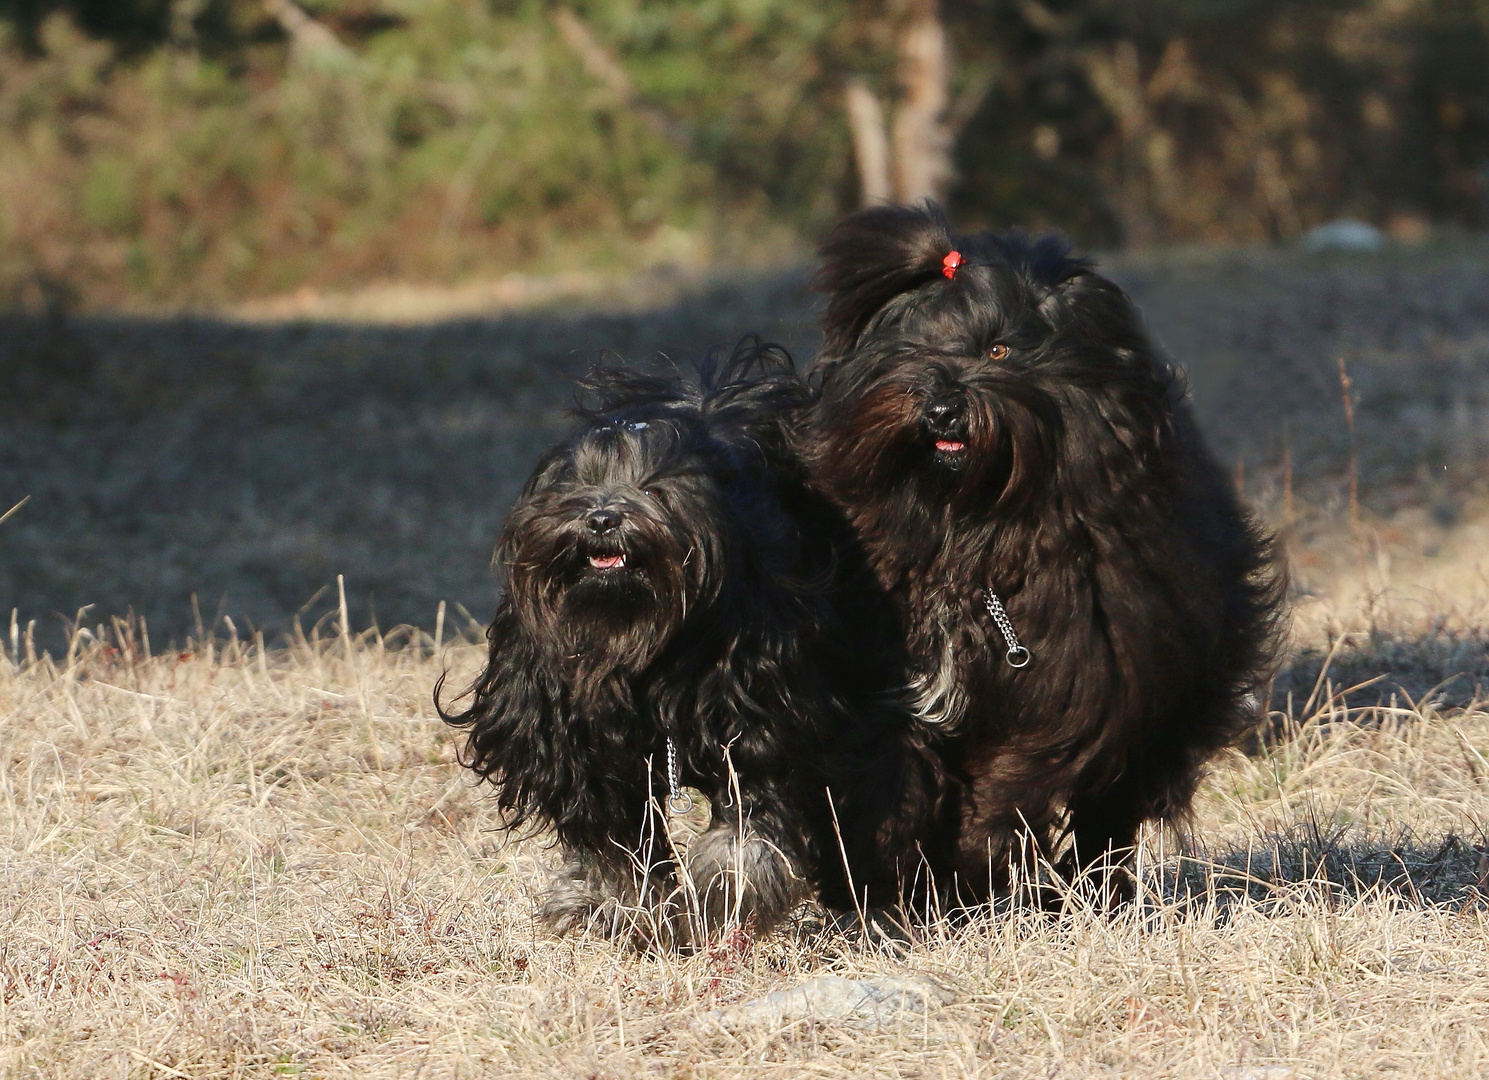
{"x": 580, "y": 901}
{"x": 564, "y": 912}
{"x": 569, "y": 905}
{"x": 736, "y": 881}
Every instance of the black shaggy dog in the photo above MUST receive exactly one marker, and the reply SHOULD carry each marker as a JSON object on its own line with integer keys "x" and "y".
{"x": 681, "y": 610}
{"x": 1088, "y": 608}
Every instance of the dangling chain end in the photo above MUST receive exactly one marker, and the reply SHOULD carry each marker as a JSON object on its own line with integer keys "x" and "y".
{"x": 678, "y": 801}
{"x": 1017, "y": 655}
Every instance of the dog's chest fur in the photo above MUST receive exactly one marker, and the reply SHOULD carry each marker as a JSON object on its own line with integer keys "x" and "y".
{"x": 1061, "y": 586}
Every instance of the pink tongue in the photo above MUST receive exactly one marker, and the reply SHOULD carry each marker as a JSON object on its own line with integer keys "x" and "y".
{"x": 607, "y": 562}
{"x": 949, "y": 445}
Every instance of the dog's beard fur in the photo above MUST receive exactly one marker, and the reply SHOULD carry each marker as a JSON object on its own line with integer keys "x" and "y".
{"x": 872, "y": 414}
{"x": 1012, "y": 429}
{"x": 937, "y": 693}
{"x": 879, "y": 456}
{"x": 599, "y": 625}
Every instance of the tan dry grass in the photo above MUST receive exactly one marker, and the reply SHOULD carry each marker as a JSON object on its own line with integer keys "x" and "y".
{"x": 238, "y": 862}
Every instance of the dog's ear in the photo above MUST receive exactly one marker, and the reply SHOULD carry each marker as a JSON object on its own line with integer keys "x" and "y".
{"x": 506, "y": 705}
{"x": 611, "y": 385}
{"x": 1072, "y": 295}
{"x": 752, "y": 362}
{"x": 1047, "y": 258}
{"x": 870, "y": 258}
{"x": 1095, "y": 306}
{"x": 755, "y": 392}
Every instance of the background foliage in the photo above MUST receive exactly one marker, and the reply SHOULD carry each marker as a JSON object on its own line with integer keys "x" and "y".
{"x": 188, "y": 150}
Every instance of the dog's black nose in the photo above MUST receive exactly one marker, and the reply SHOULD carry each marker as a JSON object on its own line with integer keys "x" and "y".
{"x": 601, "y": 522}
{"x": 944, "y": 411}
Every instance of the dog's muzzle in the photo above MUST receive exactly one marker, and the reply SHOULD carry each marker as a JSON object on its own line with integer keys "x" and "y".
{"x": 602, "y": 539}
{"x": 945, "y": 419}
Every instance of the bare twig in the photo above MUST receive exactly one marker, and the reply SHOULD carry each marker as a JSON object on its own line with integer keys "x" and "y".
{"x": 6, "y": 516}
{"x": 602, "y": 66}
{"x": 1345, "y": 385}
{"x": 968, "y": 100}
{"x": 1288, "y": 516}
{"x": 310, "y": 40}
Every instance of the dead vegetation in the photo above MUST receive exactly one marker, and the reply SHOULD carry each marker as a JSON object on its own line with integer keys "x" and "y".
{"x": 230, "y": 861}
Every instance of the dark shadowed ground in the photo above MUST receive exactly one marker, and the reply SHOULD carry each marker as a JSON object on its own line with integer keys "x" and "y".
{"x": 250, "y": 462}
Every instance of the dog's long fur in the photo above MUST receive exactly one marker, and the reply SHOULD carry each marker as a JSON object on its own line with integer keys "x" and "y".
{"x": 1012, "y": 428}
{"x": 742, "y": 624}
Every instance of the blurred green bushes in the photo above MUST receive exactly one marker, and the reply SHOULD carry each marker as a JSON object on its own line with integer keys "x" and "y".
{"x": 169, "y": 150}
{"x": 459, "y": 137}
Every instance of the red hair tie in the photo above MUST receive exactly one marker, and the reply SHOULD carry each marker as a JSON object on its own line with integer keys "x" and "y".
{"x": 951, "y": 264}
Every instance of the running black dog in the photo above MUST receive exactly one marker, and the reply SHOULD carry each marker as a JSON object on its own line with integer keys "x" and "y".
{"x": 681, "y": 610}
{"x": 1088, "y": 608}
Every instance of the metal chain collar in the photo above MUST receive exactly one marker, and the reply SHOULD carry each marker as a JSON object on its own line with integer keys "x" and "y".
{"x": 678, "y": 800}
{"x": 1017, "y": 656}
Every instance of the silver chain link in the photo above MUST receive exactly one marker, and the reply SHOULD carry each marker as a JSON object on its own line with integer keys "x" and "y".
{"x": 678, "y": 800}
{"x": 1017, "y": 656}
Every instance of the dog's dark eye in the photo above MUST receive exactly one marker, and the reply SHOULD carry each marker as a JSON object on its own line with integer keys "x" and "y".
{"x": 653, "y": 492}
{"x": 998, "y": 352}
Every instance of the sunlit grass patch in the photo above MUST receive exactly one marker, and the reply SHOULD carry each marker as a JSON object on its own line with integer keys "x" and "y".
{"x": 233, "y": 860}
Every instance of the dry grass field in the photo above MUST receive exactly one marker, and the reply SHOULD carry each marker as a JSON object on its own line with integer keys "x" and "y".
{"x": 226, "y": 858}
{"x": 227, "y": 861}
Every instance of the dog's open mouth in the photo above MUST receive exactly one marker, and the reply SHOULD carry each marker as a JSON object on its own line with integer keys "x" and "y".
{"x": 944, "y": 420}
{"x": 605, "y": 556}
{"x": 950, "y": 442}
{"x": 946, "y": 430}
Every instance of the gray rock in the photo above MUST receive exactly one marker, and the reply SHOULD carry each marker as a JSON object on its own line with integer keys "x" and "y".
{"x": 876, "y": 1002}
{"x": 1345, "y": 234}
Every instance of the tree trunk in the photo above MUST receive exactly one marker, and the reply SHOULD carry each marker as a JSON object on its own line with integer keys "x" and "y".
{"x": 870, "y": 143}
{"x": 922, "y": 143}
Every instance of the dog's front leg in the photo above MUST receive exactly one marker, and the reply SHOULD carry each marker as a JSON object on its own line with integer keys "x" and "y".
{"x": 574, "y": 895}
{"x": 749, "y": 866}
{"x": 1008, "y": 823}
{"x": 1103, "y": 841}
{"x": 619, "y": 895}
